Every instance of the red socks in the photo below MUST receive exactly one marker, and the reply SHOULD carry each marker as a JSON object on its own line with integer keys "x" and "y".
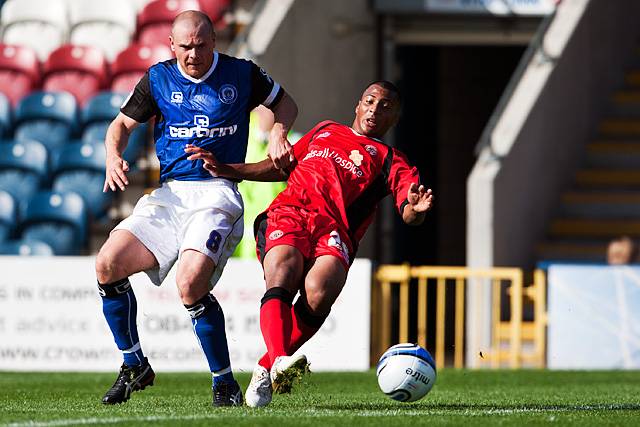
{"x": 302, "y": 326}
{"x": 275, "y": 322}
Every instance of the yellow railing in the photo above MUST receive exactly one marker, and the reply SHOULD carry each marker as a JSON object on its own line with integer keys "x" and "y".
{"x": 511, "y": 332}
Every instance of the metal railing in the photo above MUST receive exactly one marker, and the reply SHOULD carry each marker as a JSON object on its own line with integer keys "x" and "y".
{"x": 391, "y": 308}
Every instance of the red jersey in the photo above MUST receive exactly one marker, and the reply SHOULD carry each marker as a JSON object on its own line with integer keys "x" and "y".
{"x": 344, "y": 175}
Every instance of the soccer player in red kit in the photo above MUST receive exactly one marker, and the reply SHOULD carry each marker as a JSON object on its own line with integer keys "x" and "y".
{"x": 308, "y": 237}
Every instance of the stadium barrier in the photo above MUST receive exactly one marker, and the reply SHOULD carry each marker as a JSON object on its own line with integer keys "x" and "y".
{"x": 514, "y": 341}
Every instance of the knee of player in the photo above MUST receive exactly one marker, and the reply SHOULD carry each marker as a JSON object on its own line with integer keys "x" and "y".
{"x": 190, "y": 289}
{"x": 318, "y": 295}
{"x": 107, "y": 270}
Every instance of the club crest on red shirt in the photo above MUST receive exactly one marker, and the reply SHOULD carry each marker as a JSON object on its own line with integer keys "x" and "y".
{"x": 371, "y": 150}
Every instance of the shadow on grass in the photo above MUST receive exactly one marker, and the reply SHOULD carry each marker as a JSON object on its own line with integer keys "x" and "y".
{"x": 461, "y": 407}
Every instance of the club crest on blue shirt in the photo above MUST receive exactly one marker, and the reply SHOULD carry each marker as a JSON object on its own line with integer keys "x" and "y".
{"x": 228, "y": 94}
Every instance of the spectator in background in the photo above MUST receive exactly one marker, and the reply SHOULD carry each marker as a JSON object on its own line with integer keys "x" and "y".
{"x": 622, "y": 250}
{"x": 258, "y": 195}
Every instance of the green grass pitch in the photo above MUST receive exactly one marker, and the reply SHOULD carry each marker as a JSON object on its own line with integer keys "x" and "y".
{"x": 458, "y": 398}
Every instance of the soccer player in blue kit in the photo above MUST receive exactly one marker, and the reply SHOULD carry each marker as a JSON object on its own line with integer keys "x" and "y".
{"x": 202, "y": 98}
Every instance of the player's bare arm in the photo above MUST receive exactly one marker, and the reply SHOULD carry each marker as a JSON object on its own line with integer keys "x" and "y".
{"x": 115, "y": 143}
{"x": 263, "y": 171}
{"x": 280, "y": 150}
{"x": 420, "y": 201}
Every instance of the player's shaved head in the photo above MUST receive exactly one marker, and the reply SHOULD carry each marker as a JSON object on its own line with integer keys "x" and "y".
{"x": 193, "y": 19}
{"x": 193, "y": 41}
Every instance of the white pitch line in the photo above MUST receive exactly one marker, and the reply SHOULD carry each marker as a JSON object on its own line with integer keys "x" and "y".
{"x": 320, "y": 413}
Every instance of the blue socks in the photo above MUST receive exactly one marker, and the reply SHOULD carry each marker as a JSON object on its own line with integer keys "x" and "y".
{"x": 208, "y": 325}
{"x": 120, "y": 308}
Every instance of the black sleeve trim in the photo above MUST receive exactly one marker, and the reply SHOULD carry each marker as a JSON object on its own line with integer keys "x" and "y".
{"x": 140, "y": 105}
{"x": 261, "y": 87}
{"x": 277, "y": 99}
{"x": 405, "y": 203}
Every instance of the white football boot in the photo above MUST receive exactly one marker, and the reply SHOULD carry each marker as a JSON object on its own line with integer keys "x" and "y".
{"x": 285, "y": 370}
{"x": 259, "y": 391}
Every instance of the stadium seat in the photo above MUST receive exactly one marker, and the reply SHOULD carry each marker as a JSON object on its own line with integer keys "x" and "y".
{"x": 19, "y": 71}
{"x": 107, "y": 25}
{"x": 48, "y": 117}
{"x": 138, "y": 5}
{"x": 79, "y": 70}
{"x": 216, "y": 10}
{"x": 8, "y": 214}
{"x": 154, "y": 22}
{"x": 40, "y": 24}
{"x": 80, "y": 167}
{"x": 23, "y": 167}
{"x": 131, "y": 64}
{"x": 58, "y": 219}
{"x": 5, "y": 116}
{"x": 25, "y": 248}
{"x": 98, "y": 114}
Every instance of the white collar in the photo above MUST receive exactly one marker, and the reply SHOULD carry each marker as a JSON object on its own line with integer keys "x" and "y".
{"x": 207, "y": 74}
{"x": 365, "y": 136}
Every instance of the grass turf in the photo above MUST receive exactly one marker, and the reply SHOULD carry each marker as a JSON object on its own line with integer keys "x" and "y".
{"x": 458, "y": 398}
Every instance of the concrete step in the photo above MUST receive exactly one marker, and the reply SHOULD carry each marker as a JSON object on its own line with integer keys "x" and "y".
{"x": 614, "y": 154}
{"x": 603, "y": 229}
{"x": 620, "y": 127}
{"x": 625, "y": 103}
{"x": 585, "y": 251}
{"x": 608, "y": 178}
{"x": 601, "y": 204}
{"x": 632, "y": 78}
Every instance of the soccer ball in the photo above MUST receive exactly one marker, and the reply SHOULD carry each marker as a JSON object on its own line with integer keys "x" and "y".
{"x": 406, "y": 372}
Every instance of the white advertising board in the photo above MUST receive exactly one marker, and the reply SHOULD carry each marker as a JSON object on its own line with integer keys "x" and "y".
{"x": 51, "y": 319}
{"x": 593, "y": 317}
{"x": 495, "y": 7}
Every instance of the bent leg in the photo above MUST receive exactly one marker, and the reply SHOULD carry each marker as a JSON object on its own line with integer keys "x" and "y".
{"x": 193, "y": 280}
{"x": 122, "y": 255}
{"x": 323, "y": 284}
{"x": 283, "y": 270}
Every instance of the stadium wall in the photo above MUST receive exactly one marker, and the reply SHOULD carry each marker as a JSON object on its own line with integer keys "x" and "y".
{"x": 323, "y": 53}
{"x": 516, "y": 183}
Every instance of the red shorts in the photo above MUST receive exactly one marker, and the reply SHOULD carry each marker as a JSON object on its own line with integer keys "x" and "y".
{"x": 313, "y": 234}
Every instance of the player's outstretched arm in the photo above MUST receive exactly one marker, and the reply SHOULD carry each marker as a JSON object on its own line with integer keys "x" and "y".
{"x": 262, "y": 171}
{"x": 420, "y": 201}
{"x": 280, "y": 150}
{"x": 115, "y": 142}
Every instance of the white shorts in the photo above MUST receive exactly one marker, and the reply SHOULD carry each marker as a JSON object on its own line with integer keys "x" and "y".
{"x": 202, "y": 215}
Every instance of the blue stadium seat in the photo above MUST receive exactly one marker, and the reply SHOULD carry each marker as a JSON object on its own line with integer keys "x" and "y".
{"x": 98, "y": 114}
{"x": 80, "y": 167}
{"x": 48, "y": 117}
{"x": 8, "y": 215}
{"x": 23, "y": 167}
{"x": 26, "y": 248}
{"x": 5, "y": 116}
{"x": 58, "y": 219}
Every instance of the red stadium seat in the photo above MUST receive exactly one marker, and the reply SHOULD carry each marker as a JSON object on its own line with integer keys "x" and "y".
{"x": 154, "y": 22}
{"x": 79, "y": 70}
{"x": 215, "y": 9}
{"x": 131, "y": 64}
{"x": 19, "y": 71}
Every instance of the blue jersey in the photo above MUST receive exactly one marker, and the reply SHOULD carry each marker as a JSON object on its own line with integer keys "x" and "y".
{"x": 211, "y": 112}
